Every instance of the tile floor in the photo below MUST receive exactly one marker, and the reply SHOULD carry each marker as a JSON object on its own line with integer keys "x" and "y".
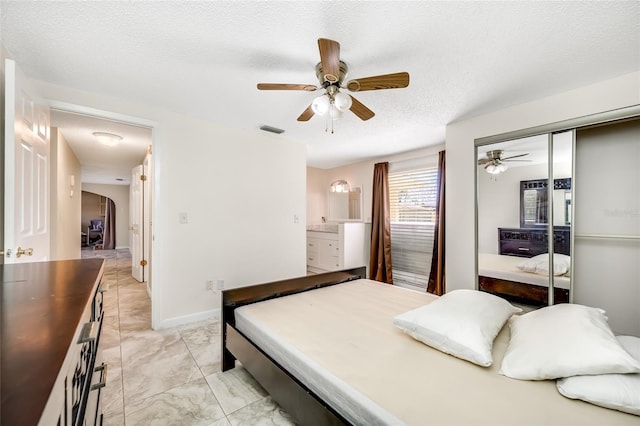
{"x": 171, "y": 376}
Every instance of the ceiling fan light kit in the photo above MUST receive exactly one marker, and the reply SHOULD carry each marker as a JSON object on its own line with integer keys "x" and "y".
{"x": 494, "y": 161}
{"x": 331, "y": 73}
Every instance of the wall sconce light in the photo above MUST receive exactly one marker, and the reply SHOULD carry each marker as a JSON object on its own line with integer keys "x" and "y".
{"x": 340, "y": 186}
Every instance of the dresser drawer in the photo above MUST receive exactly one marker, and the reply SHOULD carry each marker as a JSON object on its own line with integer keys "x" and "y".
{"x": 521, "y": 248}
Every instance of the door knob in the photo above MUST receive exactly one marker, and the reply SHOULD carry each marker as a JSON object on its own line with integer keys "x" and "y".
{"x": 21, "y": 251}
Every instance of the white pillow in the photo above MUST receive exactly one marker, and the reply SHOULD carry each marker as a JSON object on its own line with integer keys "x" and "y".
{"x": 462, "y": 323}
{"x": 540, "y": 264}
{"x": 561, "y": 341}
{"x": 616, "y": 391}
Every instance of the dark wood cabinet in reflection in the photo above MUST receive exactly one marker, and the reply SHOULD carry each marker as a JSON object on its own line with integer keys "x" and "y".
{"x": 529, "y": 242}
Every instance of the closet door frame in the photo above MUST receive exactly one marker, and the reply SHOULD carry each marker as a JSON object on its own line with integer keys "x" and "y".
{"x": 550, "y": 129}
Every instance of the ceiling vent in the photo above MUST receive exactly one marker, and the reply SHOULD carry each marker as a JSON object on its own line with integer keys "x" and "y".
{"x": 271, "y": 129}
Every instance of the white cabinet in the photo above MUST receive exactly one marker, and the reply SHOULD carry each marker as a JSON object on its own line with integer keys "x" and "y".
{"x": 333, "y": 247}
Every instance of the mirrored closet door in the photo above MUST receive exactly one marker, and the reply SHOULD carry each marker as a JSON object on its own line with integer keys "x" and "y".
{"x": 518, "y": 207}
{"x": 577, "y": 181}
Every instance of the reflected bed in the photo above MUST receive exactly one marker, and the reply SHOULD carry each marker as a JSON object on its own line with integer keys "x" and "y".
{"x": 500, "y": 275}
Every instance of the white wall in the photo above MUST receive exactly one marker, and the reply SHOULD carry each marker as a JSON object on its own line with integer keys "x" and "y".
{"x": 120, "y": 196}
{"x": 65, "y": 199}
{"x": 241, "y": 225}
{"x": 460, "y": 204}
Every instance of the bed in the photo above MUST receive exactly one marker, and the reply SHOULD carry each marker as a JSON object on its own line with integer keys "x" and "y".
{"x": 326, "y": 349}
{"x": 500, "y": 275}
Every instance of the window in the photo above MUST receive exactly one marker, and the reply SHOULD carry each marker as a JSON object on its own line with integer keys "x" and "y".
{"x": 412, "y": 205}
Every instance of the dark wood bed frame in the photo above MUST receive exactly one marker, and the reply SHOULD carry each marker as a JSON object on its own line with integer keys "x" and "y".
{"x": 517, "y": 292}
{"x": 291, "y": 394}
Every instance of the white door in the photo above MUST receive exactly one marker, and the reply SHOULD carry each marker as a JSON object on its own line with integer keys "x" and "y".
{"x": 136, "y": 221}
{"x": 26, "y": 196}
{"x": 146, "y": 213}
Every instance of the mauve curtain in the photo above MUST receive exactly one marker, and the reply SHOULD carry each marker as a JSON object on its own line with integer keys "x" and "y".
{"x": 109, "y": 237}
{"x": 436, "y": 284}
{"x": 380, "y": 260}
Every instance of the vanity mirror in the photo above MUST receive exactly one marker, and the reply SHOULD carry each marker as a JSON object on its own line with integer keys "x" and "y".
{"x": 345, "y": 206}
{"x": 534, "y": 202}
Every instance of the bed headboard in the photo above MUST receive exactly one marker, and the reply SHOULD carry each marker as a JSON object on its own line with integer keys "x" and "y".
{"x": 236, "y": 297}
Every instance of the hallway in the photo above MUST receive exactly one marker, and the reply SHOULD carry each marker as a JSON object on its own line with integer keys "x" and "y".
{"x": 170, "y": 376}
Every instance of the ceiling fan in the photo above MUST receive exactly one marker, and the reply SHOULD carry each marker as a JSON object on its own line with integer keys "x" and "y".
{"x": 494, "y": 161}
{"x": 331, "y": 73}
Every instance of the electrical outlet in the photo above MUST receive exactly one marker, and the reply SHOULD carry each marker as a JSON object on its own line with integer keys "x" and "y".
{"x": 220, "y": 284}
{"x": 209, "y": 285}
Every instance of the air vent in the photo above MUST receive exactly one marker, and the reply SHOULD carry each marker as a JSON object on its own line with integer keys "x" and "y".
{"x": 271, "y": 129}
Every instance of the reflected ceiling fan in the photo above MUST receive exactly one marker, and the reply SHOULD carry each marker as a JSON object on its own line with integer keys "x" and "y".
{"x": 494, "y": 162}
{"x": 331, "y": 73}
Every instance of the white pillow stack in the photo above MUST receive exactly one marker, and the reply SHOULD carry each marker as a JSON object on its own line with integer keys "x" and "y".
{"x": 575, "y": 344}
{"x": 616, "y": 391}
{"x": 564, "y": 340}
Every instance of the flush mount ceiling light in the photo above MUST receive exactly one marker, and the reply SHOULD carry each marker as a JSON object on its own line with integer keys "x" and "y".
{"x": 109, "y": 139}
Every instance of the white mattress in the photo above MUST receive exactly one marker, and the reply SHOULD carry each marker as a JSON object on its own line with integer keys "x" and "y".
{"x": 341, "y": 342}
{"x": 506, "y": 268}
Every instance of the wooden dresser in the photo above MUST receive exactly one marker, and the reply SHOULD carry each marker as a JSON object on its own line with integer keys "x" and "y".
{"x": 529, "y": 242}
{"x": 51, "y": 315}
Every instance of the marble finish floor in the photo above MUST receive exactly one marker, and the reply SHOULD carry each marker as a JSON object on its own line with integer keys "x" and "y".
{"x": 170, "y": 376}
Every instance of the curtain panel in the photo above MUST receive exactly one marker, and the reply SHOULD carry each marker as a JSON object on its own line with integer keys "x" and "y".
{"x": 380, "y": 259}
{"x": 109, "y": 237}
{"x": 436, "y": 284}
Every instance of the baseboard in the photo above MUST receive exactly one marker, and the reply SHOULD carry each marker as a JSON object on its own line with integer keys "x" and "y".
{"x": 188, "y": 319}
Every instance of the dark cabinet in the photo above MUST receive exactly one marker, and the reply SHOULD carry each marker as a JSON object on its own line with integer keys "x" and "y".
{"x": 529, "y": 242}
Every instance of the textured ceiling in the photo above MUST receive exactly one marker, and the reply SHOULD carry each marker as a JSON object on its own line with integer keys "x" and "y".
{"x": 204, "y": 59}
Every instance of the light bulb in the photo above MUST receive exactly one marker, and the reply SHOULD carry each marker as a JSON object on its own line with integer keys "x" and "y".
{"x": 335, "y": 113}
{"x": 492, "y": 169}
{"x": 320, "y": 105}
{"x": 342, "y": 101}
{"x": 502, "y": 167}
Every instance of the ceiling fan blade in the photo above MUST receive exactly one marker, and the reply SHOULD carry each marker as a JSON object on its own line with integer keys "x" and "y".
{"x": 306, "y": 115}
{"x": 514, "y": 156}
{"x": 360, "y": 110}
{"x": 278, "y": 86}
{"x": 483, "y": 161}
{"x": 330, "y": 59}
{"x": 387, "y": 81}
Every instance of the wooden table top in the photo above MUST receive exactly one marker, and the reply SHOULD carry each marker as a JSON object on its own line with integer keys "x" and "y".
{"x": 41, "y": 305}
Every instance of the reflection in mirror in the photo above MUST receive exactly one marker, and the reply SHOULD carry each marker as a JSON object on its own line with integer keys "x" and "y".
{"x": 512, "y": 219}
{"x": 534, "y": 197}
{"x": 345, "y": 206}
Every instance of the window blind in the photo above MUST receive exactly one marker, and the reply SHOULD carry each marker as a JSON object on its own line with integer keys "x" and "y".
{"x": 412, "y": 202}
